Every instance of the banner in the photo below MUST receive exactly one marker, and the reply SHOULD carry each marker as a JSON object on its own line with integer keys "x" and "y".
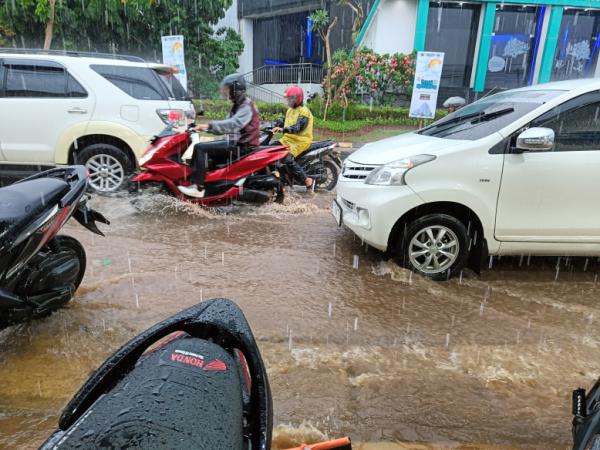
{"x": 173, "y": 55}
{"x": 427, "y": 83}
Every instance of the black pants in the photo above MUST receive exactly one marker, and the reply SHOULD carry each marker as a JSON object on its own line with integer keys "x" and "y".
{"x": 295, "y": 169}
{"x": 219, "y": 151}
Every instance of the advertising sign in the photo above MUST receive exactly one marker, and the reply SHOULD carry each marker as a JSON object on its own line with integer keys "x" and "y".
{"x": 426, "y": 85}
{"x": 173, "y": 55}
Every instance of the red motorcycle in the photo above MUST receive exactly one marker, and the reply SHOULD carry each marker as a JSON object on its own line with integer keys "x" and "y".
{"x": 251, "y": 178}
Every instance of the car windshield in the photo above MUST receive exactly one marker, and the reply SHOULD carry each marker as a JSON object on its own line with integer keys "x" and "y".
{"x": 176, "y": 90}
{"x": 488, "y": 115}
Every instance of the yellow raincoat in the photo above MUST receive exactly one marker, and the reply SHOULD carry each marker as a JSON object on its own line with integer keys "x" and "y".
{"x": 298, "y": 143}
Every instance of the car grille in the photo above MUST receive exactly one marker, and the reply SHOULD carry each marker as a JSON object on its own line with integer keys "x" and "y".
{"x": 354, "y": 171}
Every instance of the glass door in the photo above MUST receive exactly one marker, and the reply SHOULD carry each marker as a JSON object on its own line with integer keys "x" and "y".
{"x": 452, "y": 29}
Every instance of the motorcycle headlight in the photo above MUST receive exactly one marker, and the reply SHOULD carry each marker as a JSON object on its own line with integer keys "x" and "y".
{"x": 392, "y": 174}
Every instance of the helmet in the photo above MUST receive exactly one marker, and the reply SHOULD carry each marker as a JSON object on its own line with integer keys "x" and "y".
{"x": 295, "y": 94}
{"x": 236, "y": 84}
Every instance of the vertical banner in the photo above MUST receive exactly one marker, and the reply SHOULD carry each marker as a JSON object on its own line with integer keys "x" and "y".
{"x": 426, "y": 85}
{"x": 173, "y": 55}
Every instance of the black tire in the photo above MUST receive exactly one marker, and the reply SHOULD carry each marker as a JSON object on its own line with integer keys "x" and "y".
{"x": 280, "y": 194}
{"x": 106, "y": 177}
{"x": 325, "y": 173}
{"x": 455, "y": 230}
{"x": 332, "y": 174}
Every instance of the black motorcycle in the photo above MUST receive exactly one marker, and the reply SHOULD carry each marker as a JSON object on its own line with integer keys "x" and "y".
{"x": 321, "y": 161}
{"x": 586, "y": 418}
{"x": 194, "y": 381}
{"x": 39, "y": 269}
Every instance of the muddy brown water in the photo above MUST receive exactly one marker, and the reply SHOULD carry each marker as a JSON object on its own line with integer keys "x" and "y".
{"x": 374, "y": 352}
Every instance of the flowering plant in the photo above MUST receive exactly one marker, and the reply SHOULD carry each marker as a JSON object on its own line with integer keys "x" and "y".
{"x": 364, "y": 72}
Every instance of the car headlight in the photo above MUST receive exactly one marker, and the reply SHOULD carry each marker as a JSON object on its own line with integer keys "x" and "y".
{"x": 392, "y": 174}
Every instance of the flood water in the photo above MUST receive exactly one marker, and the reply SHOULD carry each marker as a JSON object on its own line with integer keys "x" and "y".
{"x": 354, "y": 344}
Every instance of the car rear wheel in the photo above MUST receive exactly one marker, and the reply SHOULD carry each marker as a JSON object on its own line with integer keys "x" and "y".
{"x": 435, "y": 246}
{"x": 108, "y": 167}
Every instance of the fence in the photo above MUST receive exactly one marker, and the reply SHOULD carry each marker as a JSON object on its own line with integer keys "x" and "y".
{"x": 287, "y": 74}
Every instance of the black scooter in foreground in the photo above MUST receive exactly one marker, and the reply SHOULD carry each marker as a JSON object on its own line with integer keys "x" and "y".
{"x": 194, "y": 381}
{"x": 40, "y": 270}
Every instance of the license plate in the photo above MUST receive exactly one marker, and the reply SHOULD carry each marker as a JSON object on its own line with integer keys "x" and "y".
{"x": 336, "y": 211}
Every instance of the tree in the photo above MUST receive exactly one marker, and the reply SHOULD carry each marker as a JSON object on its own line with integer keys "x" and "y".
{"x": 130, "y": 26}
{"x": 6, "y": 35}
{"x": 359, "y": 15}
{"x": 45, "y": 11}
{"x": 323, "y": 26}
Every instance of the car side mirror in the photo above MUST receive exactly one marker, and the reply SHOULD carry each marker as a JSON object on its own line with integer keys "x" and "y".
{"x": 536, "y": 139}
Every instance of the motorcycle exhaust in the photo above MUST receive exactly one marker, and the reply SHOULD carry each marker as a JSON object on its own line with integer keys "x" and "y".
{"x": 253, "y": 196}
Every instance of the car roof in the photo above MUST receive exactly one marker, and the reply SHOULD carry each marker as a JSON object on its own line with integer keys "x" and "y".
{"x": 85, "y": 59}
{"x": 566, "y": 85}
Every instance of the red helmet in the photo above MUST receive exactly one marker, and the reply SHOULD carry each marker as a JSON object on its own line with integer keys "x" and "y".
{"x": 296, "y": 93}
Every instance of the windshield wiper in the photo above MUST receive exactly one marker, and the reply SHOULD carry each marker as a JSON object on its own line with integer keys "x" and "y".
{"x": 493, "y": 114}
{"x": 474, "y": 118}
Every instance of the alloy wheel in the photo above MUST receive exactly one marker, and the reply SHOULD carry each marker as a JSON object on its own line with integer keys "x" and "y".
{"x": 433, "y": 249}
{"x": 106, "y": 172}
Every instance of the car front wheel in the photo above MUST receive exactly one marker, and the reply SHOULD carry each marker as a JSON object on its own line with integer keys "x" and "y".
{"x": 108, "y": 167}
{"x": 436, "y": 246}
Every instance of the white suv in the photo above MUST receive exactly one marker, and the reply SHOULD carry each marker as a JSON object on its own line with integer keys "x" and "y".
{"x": 516, "y": 173}
{"x": 93, "y": 109}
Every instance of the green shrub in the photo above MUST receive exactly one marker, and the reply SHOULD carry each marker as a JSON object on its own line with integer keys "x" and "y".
{"x": 389, "y": 114}
{"x": 219, "y": 109}
{"x": 355, "y": 118}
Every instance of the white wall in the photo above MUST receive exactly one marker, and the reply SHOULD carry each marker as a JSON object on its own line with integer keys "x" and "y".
{"x": 245, "y": 28}
{"x": 308, "y": 88}
{"x": 231, "y": 18}
{"x": 393, "y": 27}
{"x": 246, "y": 59}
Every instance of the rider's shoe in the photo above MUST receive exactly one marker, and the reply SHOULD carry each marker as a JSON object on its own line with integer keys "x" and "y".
{"x": 192, "y": 191}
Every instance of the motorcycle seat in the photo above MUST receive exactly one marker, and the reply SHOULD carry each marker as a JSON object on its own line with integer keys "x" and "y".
{"x": 20, "y": 201}
{"x": 319, "y": 144}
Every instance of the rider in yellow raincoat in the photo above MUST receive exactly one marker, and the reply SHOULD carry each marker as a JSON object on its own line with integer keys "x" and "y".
{"x": 297, "y": 131}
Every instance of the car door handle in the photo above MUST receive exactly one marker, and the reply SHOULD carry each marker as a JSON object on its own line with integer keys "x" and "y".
{"x": 77, "y": 111}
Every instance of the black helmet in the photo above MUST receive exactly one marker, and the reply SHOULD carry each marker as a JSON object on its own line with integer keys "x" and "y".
{"x": 236, "y": 84}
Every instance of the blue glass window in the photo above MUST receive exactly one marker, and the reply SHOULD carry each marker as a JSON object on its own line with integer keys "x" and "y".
{"x": 578, "y": 45}
{"x": 514, "y": 47}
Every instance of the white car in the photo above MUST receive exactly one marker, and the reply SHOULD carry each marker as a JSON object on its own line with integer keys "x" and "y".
{"x": 515, "y": 173}
{"x": 93, "y": 109}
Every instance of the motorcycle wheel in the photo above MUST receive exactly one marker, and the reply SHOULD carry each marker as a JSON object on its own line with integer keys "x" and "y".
{"x": 326, "y": 176}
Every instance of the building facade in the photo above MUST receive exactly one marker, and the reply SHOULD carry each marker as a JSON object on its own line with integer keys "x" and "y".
{"x": 281, "y": 46}
{"x": 489, "y": 44}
